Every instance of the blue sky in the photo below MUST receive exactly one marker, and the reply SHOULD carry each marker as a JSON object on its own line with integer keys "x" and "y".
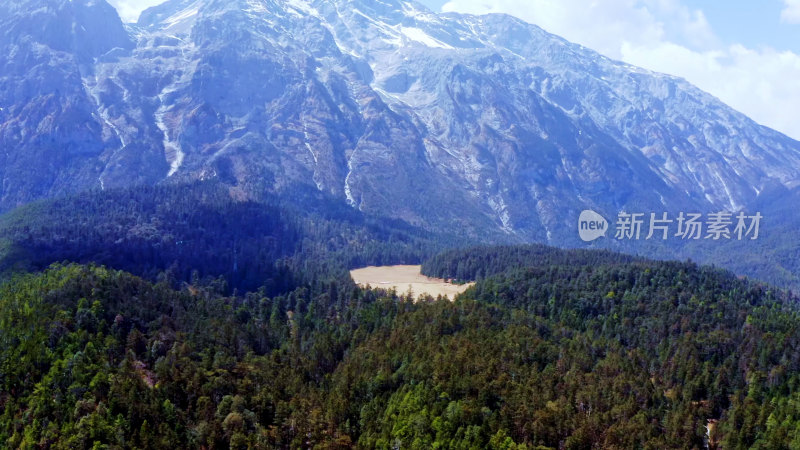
{"x": 753, "y": 23}
{"x": 745, "y": 52}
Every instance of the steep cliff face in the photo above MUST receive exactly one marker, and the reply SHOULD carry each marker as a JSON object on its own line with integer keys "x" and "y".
{"x": 444, "y": 120}
{"x": 49, "y": 132}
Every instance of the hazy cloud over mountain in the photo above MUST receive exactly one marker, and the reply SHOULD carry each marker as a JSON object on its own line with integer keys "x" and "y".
{"x": 668, "y": 36}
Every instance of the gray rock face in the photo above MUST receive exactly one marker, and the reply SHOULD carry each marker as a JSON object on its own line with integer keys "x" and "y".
{"x": 51, "y": 140}
{"x": 445, "y": 120}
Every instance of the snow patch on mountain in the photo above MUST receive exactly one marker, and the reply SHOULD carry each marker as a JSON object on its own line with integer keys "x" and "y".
{"x": 418, "y": 35}
{"x": 172, "y": 150}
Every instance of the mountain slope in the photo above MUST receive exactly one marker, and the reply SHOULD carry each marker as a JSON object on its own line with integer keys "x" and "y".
{"x": 442, "y": 120}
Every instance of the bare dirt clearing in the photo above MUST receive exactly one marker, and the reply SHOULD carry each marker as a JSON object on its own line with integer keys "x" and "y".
{"x": 402, "y": 278}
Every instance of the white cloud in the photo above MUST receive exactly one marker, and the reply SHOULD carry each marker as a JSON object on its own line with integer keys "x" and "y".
{"x": 666, "y": 36}
{"x": 764, "y": 84}
{"x": 791, "y": 11}
{"x": 129, "y": 10}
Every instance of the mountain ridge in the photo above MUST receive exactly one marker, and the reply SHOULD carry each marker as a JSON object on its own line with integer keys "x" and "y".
{"x": 478, "y": 122}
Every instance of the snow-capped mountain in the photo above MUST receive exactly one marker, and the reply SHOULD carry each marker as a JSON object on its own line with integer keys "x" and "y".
{"x": 445, "y": 120}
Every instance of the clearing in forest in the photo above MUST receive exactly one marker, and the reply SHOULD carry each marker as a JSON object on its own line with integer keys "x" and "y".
{"x": 403, "y": 278}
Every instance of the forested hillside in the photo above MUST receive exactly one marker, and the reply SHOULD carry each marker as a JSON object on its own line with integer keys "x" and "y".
{"x": 608, "y": 355}
{"x": 207, "y": 230}
{"x": 470, "y": 264}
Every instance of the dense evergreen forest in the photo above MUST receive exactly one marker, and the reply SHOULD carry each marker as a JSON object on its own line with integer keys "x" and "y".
{"x": 624, "y": 355}
{"x": 204, "y": 230}
{"x": 475, "y": 263}
{"x": 188, "y": 317}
